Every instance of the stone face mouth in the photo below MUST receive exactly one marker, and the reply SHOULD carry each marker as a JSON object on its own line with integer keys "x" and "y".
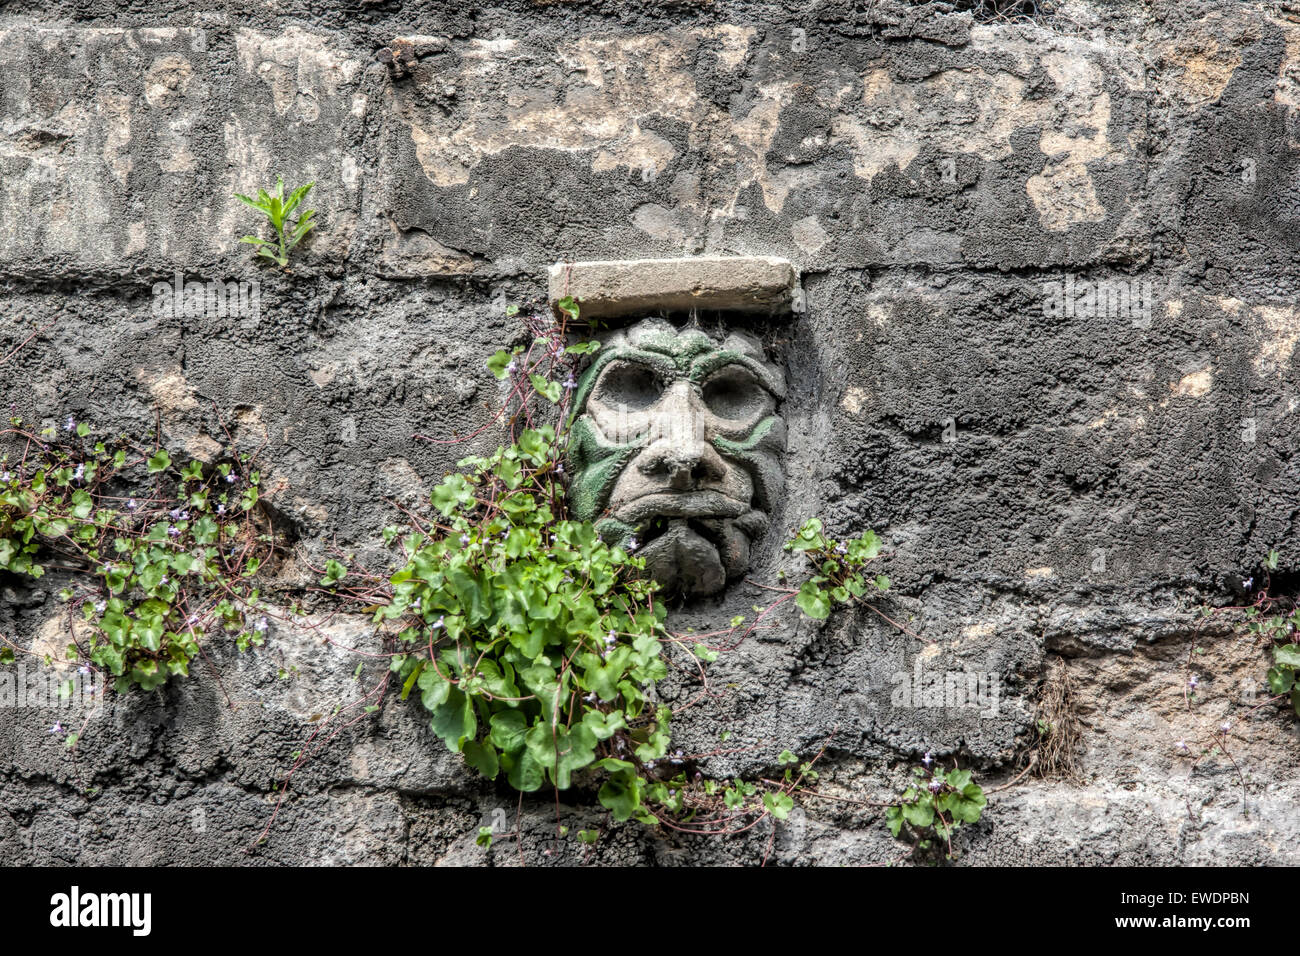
{"x": 684, "y": 560}
{"x": 681, "y": 504}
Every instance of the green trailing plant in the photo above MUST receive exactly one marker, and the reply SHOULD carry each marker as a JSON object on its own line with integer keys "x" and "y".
{"x": 839, "y": 568}
{"x": 1278, "y": 623}
{"x": 935, "y": 806}
{"x": 278, "y": 211}
{"x": 534, "y": 645}
{"x": 162, "y": 555}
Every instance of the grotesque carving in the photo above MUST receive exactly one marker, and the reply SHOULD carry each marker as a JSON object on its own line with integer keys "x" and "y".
{"x": 676, "y": 450}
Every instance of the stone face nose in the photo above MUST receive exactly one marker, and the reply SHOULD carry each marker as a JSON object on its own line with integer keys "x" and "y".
{"x": 681, "y": 454}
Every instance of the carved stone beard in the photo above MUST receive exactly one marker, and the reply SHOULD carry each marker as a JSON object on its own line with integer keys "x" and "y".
{"x": 677, "y": 445}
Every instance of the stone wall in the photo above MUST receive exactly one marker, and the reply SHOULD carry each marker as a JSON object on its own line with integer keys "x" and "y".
{"x": 1061, "y": 478}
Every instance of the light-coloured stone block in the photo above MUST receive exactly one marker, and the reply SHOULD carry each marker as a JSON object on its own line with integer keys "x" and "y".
{"x": 635, "y": 287}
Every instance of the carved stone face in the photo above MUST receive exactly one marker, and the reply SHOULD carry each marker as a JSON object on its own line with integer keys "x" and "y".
{"x": 676, "y": 443}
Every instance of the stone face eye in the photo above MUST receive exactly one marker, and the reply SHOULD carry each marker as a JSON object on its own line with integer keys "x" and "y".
{"x": 735, "y": 394}
{"x": 629, "y": 384}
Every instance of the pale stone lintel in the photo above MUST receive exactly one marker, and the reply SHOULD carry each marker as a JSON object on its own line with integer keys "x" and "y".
{"x": 637, "y": 287}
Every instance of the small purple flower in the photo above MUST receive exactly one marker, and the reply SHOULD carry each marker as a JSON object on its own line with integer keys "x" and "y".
{"x": 79, "y": 473}
{"x": 101, "y": 607}
{"x": 1194, "y": 682}
{"x": 437, "y": 624}
{"x": 841, "y": 548}
{"x": 57, "y": 728}
{"x": 70, "y": 424}
{"x": 464, "y": 540}
{"x": 1182, "y": 745}
{"x": 131, "y": 505}
{"x": 6, "y": 475}
{"x": 559, "y": 469}
{"x": 631, "y": 544}
{"x": 1225, "y": 726}
{"x": 221, "y": 509}
{"x": 936, "y": 785}
{"x": 511, "y": 367}
{"x": 590, "y": 698}
{"x": 676, "y": 757}
{"x": 231, "y": 478}
{"x": 261, "y": 625}
{"x": 569, "y": 384}
{"x": 173, "y": 531}
{"x": 927, "y": 759}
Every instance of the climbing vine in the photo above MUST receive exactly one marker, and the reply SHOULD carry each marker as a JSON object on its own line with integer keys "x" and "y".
{"x": 162, "y": 555}
{"x": 1276, "y": 621}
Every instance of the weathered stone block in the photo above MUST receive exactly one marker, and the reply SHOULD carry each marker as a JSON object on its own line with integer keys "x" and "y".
{"x": 604, "y": 290}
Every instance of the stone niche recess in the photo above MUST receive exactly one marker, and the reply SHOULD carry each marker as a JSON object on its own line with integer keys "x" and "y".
{"x": 678, "y": 436}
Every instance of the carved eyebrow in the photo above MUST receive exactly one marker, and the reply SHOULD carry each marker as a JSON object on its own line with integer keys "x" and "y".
{"x": 706, "y": 365}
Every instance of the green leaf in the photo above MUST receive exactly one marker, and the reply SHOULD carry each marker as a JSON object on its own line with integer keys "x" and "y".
{"x": 508, "y": 730}
{"x": 1287, "y": 655}
{"x": 454, "y": 493}
{"x": 967, "y": 811}
{"x": 523, "y": 772}
{"x": 160, "y": 461}
{"x": 482, "y": 757}
{"x": 704, "y": 654}
{"x": 335, "y": 572}
{"x": 778, "y": 804}
{"x": 1280, "y": 679}
{"x": 256, "y": 204}
{"x": 547, "y": 389}
{"x": 813, "y": 601}
{"x": 296, "y": 197}
{"x": 894, "y": 820}
{"x": 569, "y": 306}
{"x": 919, "y": 814}
{"x": 621, "y": 795}
{"x": 500, "y": 360}
{"x": 453, "y": 720}
{"x": 959, "y": 778}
